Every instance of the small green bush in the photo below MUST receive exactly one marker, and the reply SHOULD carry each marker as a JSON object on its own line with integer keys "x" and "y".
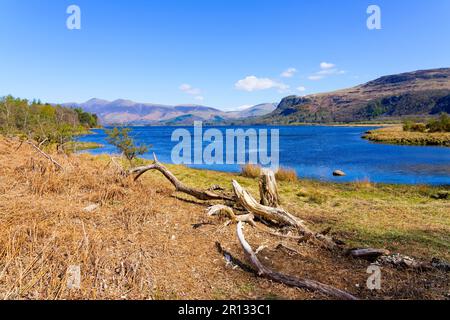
{"x": 407, "y": 124}
{"x": 418, "y": 127}
{"x": 124, "y": 143}
{"x": 441, "y": 124}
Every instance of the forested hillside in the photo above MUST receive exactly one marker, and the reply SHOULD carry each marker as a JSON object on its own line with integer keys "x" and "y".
{"x": 394, "y": 97}
{"x": 43, "y": 122}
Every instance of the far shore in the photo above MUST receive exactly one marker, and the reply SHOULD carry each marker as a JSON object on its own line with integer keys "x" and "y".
{"x": 260, "y": 124}
{"x": 396, "y": 135}
{"x": 82, "y": 146}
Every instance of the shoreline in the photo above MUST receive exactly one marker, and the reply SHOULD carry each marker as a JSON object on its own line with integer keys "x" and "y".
{"x": 432, "y": 180}
{"x": 396, "y": 136}
{"x": 76, "y": 146}
{"x": 258, "y": 125}
{"x": 238, "y": 173}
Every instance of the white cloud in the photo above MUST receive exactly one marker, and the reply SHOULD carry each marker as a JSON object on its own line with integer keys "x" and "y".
{"x": 326, "y": 65}
{"x": 331, "y": 71}
{"x": 316, "y": 77}
{"x": 301, "y": 89}
{"x": 289, "y": 73}
{"x": 199, "y": 98}
{"x": 187, "y": 88}
{"x": 326, "y": 69}
{"x": 252, "y": 83}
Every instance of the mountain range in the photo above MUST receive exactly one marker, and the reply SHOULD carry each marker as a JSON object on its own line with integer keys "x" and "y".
{"x": 127, "y": 112}
{"x": 412, "y": 94}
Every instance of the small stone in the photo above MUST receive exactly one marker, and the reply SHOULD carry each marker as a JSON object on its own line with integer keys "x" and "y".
{"x": 91, "y": 208}
{"x": 339, "y": 173}
{"x": 441, "y": 195}
{"x": 440, "y": 264}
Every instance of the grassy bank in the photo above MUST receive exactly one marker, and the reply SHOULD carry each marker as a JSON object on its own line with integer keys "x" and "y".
{"x": 75, "y": 146}
{"x": 396, "y": 135}
{"x": 399, "y": 217}
{"x": 143, "y": 240}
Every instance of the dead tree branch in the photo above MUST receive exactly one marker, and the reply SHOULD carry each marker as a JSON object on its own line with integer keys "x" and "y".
{"x": 280, "y": 216}
{"x": 264, "y": 271}
{"x": 55, "y": 163}
{"x": 368, "y": 253}
{"x": 179, "y": 186}
{"x": 217, "y": 209}
{"x": 249, "y": 218}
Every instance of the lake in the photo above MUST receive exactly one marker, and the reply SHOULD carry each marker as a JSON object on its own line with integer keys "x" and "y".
{"x": 316, "y": 151}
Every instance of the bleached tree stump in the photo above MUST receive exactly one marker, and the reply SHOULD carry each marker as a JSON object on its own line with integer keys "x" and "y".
{"x": 268, "y": 189}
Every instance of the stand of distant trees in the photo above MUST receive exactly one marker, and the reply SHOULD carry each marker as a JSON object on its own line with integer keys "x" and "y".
{"x": 441, "y": 124}
{"x": 43, "y": 122}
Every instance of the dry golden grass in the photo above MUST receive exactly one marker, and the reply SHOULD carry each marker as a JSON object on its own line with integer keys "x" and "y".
{"x": 251, "y": 171}
{"x": 144, "y": 243}
{"x": 284, "y": 174}
{"x": 396, "y": 135}
{"x": 363, "y": 184}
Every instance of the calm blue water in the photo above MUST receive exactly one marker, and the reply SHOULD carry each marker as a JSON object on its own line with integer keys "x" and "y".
{"x": 316, "y": 151}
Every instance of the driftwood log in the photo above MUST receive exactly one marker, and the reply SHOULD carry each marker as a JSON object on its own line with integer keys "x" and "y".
{"x": 266, "y": 272}
{"x": 368, "y": 253}
{"x": 249, "y": 218}
{"x": 179, "y": 186}
{"x": 280, "y": 216}
{"x": 45, "y": 155}
{"x": 243, "y": 198}
{"x": 228, "y": 211}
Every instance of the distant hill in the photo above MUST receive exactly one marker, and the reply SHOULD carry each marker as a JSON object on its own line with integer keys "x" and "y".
{"x": 126, "y": 112}
{"x": 419, "y": 93}
{"x": 255, "y": 111}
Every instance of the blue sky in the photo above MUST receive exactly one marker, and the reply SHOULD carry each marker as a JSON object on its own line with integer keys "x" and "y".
{"x": 220, "y": 53}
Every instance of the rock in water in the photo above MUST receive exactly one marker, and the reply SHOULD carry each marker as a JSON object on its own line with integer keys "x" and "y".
{"x": 339, "y": 173}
